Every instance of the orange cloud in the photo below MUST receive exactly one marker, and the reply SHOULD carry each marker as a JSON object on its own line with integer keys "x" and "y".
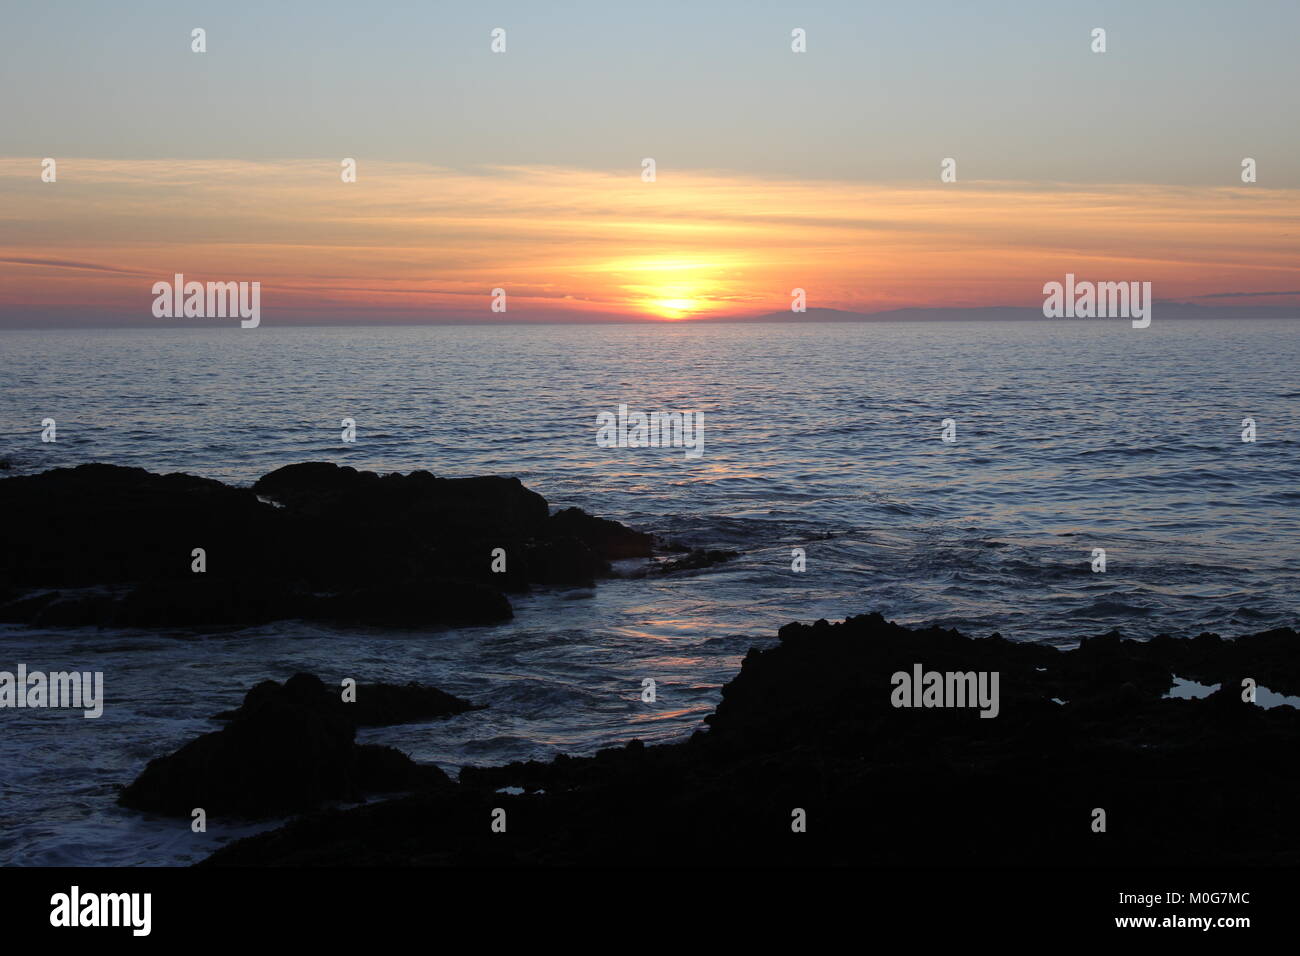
{"x": 408, "y": 239}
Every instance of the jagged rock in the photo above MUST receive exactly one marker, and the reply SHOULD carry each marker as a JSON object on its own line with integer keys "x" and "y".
{"x": 288, "y": 748}
{"x": 427, "y": 506}
{"x": 103, "y": 524}
{"x": 609, "y": 539}
{"x": 114, "y": 546}
{"x": 697, "y": 558}
{"x": 376, "y": 705}
{"x": 810, "y": 724}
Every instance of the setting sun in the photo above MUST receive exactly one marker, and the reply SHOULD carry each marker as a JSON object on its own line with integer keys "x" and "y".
{"x": 674, "y": 308}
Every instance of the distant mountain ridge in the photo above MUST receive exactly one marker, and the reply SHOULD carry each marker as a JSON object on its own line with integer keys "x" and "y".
{"x": 73, "y": 318}
{"x": 1162, "y": 310}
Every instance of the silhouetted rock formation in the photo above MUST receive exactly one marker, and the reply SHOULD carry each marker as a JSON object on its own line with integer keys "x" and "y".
{"x": 112, "y": 546}
{"x": 290, "y": 747}
{"x": 376, "y": 705}
{"x": 809, "y": 725}
{"x": 695, "y": 559}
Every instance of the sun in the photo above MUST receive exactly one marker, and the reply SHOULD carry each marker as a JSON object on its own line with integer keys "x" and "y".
{"x": 674, "y": 308}
{"x": 666, "y": 287}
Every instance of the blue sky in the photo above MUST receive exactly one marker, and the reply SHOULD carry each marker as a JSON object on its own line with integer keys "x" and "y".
{"x": 1011, "y": 89}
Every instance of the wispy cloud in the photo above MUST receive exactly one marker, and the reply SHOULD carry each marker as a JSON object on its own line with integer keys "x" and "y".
{"x": 66, "y": 264}
{"x": 420, "y": 239}
{"x": 1243, "y": 295}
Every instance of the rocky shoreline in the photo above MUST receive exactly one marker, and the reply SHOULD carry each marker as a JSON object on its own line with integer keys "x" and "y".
{"x": 809, "y": 727}
{"x": 116, "y": 547}
{"x": 815, "y": 755}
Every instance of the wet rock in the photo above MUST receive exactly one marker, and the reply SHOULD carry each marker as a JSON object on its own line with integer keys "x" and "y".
{"x": 102, "y": 524}
{"x": 313, "y": 540}
{"x": 288, "y": 748}
{"x": 376, "y": 705}
{"x": 420, "y": 503}
{"x": 697, "y": 558}
{"x": 609, "y": 539}
{"x": 564, "y": 562}
{"x": 414, "y": 603}
{"x": 809, "y": 724}
{"x": 198, "y": 599}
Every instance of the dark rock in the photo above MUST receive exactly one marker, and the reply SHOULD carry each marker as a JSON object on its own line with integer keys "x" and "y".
{"x": 101, "y": 524}
{"x": 376, "y": 705}
{"x": 427, "y": 506}
{"x": 810, "y": 724}
{"x": 697, "y": 558}
{"x": 288, "y": 748}
{"x": 564, "y": 562}
{"x": 414, "y": 603}
{"x": 313, "y": 540}
{"x": 386, "y": 769}
{"x": 199, "y": 599}
{"x": 28, "y": 607}
{"x": 609, "y": 539}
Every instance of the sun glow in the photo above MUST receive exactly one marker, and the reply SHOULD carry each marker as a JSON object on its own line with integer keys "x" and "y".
{"x": 669, "y": 287}
{"x": 602, "y": 246}
{"x": 674, "y": 308}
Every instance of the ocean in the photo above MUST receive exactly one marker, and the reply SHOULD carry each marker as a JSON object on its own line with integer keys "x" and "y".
{"x": 1070, "y": 436}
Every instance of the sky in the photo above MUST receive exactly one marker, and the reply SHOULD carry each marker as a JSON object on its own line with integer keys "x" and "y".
{"x": 522, "y": 170}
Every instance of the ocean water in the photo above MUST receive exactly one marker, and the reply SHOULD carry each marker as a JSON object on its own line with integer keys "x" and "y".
{"x": 1070, "y": 436}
